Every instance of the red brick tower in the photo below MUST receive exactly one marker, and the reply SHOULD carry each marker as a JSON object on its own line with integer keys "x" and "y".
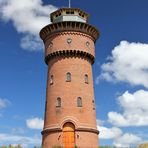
{"x": 70, "y": 116}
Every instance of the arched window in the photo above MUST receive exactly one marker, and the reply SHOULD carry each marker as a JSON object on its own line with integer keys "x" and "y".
{"x": 58, "y": 102}
{"x": 86, "y": 78}
{"x": 79, "y": 102}
{"x": 68, "y": 77}
{"x": 51, "y": 79}
{"x": 45, "y": 106}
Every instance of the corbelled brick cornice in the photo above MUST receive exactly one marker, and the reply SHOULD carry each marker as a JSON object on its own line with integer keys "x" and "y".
{"x": 69, "y": 26}
{"x": 70, "y": 53}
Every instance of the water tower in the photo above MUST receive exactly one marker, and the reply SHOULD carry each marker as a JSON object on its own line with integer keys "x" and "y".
{"x": 70, "y": 115}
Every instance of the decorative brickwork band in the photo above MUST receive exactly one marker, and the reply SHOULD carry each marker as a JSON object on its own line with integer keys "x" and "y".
{"x": 69, "y": 26}
{"x": 51, "y": 130}
{"x": 82, "y": 129}
{"x": 70, "y": 53}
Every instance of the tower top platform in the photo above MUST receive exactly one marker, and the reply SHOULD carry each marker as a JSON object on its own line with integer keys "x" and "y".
{"x": 69, "y": 14}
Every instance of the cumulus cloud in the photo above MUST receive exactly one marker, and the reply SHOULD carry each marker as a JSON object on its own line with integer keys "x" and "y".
{"x": 127, "y": 140}
{"x": 134, "y": 109}
{"x": 28, "y": 17}
{"x": 109, "y": 133}
{"x": 4, "y": 103}
{"x": 23, "y": 140}
{"x": 35, "y": 123}
{"x": 119, "y": 138}
{"x": 128, "y": 63}
{"x": 31, "y": 42}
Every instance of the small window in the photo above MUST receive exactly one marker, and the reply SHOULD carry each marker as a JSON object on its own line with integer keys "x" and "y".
{"x": 50, "y": 44}
{"x": 69, "y": 40}
{"x": 45, "y": 106}
{"x": 51, "y": 79}
{"x": 79, "y": 102}
{"x": 93, "y": 102}
{"x": 86, "y": 78}
{"x": 68, "y": 77}
{"x": 58, "y": 102}
{"x": 87, "y": 44}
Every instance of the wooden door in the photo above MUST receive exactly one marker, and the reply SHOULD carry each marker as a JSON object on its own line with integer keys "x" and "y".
{"x": 69, "y": 135}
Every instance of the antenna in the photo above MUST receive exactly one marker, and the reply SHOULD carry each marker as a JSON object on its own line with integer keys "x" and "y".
{"x": 69, "y": 3}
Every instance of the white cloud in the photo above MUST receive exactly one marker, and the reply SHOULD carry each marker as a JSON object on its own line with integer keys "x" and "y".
{"x": 117, "y": 119}
{"x": 128, "y": 63}
{"x": 119, "y": 138}
{"x": 4, "y": 103}
{"x": 18, "y": 130}
{"x": 32, "y": 43}
{"x": 100, "y": 122}
{"x": 109, "y": 133}
{"x": 18, "y": 139}
{"x": 35, "y": 123}
{"x": 127, "y": 140}
{"x": 135, "y": 110}
{"x": 28, "y": 17}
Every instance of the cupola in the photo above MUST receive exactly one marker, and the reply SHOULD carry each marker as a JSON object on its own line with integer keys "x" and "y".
{"x": 69, "y": 14}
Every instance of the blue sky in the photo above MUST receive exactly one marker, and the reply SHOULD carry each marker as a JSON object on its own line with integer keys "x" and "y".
{"x": 120, "y": 70}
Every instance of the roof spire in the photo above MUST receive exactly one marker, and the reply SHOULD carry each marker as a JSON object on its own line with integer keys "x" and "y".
{"x": 69, "y": 3}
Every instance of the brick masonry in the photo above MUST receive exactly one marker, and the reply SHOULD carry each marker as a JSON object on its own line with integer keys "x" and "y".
{"x": 83, "y": 118}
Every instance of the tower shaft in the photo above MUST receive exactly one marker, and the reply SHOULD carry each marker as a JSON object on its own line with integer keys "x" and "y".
{"x": 70, "y": 116}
